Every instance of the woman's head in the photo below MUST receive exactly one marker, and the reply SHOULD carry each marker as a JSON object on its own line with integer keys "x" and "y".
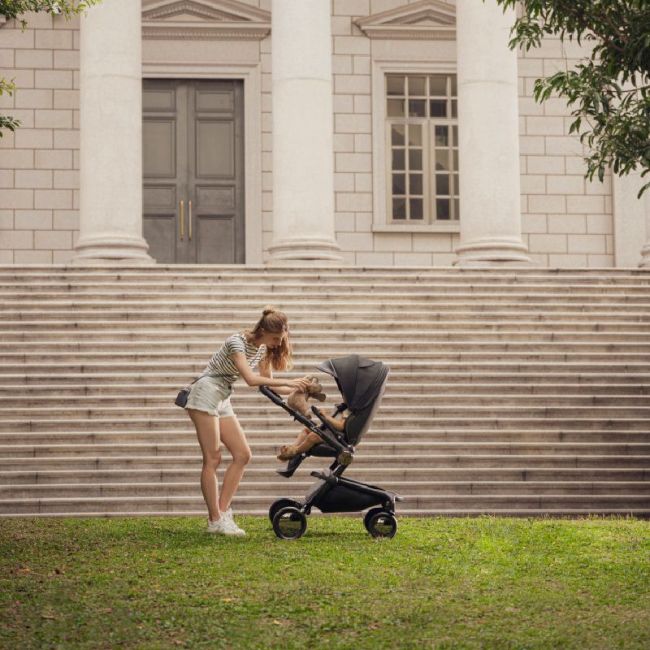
{"x": 272, "y": 330}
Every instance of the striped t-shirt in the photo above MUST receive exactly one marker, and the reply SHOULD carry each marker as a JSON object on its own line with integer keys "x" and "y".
{"x": 221, "y": 363}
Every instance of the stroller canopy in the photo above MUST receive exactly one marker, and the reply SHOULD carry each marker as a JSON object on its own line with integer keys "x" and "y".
{"x": 359, "y": 380}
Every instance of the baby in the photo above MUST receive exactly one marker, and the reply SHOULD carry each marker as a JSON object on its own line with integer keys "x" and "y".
{"x": 298, "y": 401}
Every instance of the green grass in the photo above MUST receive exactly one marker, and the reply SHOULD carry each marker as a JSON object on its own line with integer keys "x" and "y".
{"x": 440, "y": 583}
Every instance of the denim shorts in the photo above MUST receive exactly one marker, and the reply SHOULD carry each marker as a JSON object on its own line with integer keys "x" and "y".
{"x": 211, "y": 395}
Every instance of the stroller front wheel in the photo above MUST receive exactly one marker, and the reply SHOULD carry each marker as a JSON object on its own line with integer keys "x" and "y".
{"x": 282, "y": 503}
{"x": 289, "y": 523}
{"x": 380, "y": 523}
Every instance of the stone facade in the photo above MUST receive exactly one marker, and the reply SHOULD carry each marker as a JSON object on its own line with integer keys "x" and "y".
{"x": 566, "y": 220}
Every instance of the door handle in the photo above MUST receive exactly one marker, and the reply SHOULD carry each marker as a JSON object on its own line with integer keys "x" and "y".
{"x": 190, "y": 220}
{"x": 182, "y": 210}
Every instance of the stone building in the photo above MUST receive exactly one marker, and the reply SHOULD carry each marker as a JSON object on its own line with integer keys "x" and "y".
{"x": 362, "y": 132}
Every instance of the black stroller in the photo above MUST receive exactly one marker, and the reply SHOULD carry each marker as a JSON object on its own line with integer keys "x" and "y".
{"x": 361, "y": 383}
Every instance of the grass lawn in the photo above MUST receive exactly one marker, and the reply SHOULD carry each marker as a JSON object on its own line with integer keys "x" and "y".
{"x": 440, "y": 583}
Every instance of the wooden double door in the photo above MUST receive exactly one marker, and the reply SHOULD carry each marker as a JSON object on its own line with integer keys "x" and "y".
{"x": 193, "y": 169}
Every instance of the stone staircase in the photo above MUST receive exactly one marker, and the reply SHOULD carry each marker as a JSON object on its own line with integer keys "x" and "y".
{"x": 518, "y": 392}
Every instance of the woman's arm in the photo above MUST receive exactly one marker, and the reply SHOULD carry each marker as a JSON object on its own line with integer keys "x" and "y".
{"x": 265, "y": 378}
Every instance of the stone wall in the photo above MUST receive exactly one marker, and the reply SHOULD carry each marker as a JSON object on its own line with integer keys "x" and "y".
{"x": 567, "y": 221}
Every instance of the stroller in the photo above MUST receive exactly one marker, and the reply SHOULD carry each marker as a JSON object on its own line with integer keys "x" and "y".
{"x": 361, "y": 383}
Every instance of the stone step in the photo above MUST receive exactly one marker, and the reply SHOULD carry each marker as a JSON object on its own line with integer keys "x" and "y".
{"x": 219, "y": 273}
{"x": 520, "y": 461}
{"x": 500, "y": 423}
{"x": 392, "y": 355}
{"x": 582, "y": 341}
{"x": 298, "y": 488}
{"x": 531, "y": 380}
{"x": 192, "y": 333}
{"x": 373, "y": 475}
{"x": 269, "y": 448}
{"x": 259, "y": 504}
{"x": 610, "y": 321}
{"x": 420, "y": 348}
{"x": 305, "y": 365}
{"x": 280, "y": 435}
{"x": 415, "y": 414}
{"x": 153, "y": 393}
{"x": 287, "y": 292}
{"x": 138, "y": 397}
{"x": 178, "y": 311}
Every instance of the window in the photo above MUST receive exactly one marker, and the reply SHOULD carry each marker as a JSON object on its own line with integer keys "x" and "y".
{"x": 422, "y": 138}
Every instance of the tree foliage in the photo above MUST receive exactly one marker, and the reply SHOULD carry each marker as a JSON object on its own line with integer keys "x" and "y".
{"x": 609, "y": 89}
{"x": 15, "y": 9}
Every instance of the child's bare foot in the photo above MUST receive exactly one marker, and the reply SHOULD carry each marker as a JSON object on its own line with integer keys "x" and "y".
{"x": 287, "y": 452}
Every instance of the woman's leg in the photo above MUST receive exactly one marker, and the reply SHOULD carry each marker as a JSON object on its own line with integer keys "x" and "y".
{"x": 234, "y": 439}
{"x": 207, "y": 431}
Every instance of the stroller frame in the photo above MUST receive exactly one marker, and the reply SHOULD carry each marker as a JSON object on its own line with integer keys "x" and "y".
{"x": 331, "y": 492}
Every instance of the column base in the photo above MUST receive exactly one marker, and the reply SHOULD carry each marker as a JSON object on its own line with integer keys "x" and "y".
{"x": 493, "y": 252}
{"x": 112, "y": 250}
{"x": 305, "y": 250}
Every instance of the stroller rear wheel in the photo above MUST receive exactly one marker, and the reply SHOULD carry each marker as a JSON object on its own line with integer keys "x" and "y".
{"x": 380, "y": 523}
{"x": 282, "y": 503}
{"x": 289, "y": 523}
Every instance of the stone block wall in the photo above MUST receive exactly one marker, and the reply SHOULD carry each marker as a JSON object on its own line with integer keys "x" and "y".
{"x": 566, "y": 220}
{"x": 39, "y": 163}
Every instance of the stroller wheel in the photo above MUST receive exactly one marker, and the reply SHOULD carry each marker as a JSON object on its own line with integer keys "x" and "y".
{"x": 380, "y": 523}
{"x": 289, "y": 523}
{"x": 282, "y": 503}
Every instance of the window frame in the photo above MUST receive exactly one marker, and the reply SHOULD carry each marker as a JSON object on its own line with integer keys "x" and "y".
{"x": 382, "y": 194}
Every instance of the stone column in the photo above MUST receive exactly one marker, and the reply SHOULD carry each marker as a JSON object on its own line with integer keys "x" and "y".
{"x": 303, "y": 140}
{"x": 488, "y": 126}
{"x": 111, "y": 135}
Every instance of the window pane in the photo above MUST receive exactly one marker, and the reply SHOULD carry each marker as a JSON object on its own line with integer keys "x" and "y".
{"x": 442, "y": 136}
{"x": 415, "y": 159}
{"x": 399, "y": 208}
{"x": 417, "y": 86}
{"x": 398, "y": 159}
{"x": 397, "y": 134}
{"x": 442, "y": 184}
{"x": 417, "y": 108}
{"x": 399, "y": 183}
{"x": 416, "y": 209}
{"x": 456, "y": 209}
{"x": 395, "y": 84}
{"x": 454, "y": 108}
{"x": 438, "y": 85}
{"x": 454, "y": 86}
{"x": 438, "y": 107}
{"x": 415, "y": 135}
{"x": 455, "y": 160}
{"x": 442, "y": 159}
{"x": 442, "y": 209}
{"x": 456, "y": 184}
{"x": 395, "y": 108}
{"x": 455, "y": 134}
{"x": 415, "y": 184}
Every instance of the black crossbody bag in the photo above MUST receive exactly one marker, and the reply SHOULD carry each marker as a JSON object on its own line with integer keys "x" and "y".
{"x": 183, "y": 393}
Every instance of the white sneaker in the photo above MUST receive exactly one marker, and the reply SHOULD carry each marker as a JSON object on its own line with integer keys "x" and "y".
{"x": 228, "y": 517}
{"x": 225, "y": 526}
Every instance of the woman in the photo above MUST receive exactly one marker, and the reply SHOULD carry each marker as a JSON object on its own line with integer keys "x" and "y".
{"x": 209, "y": 408}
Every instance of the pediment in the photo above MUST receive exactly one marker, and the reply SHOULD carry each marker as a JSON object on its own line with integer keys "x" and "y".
{"x": 203, "y": 19}
{"x": 427, "y": 19}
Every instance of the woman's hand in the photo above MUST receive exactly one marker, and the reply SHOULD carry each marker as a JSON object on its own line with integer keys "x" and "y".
{"x": 299, "y": 384}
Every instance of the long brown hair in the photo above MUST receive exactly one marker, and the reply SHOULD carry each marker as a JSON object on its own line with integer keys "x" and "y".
{"x": 274, "y": 322}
